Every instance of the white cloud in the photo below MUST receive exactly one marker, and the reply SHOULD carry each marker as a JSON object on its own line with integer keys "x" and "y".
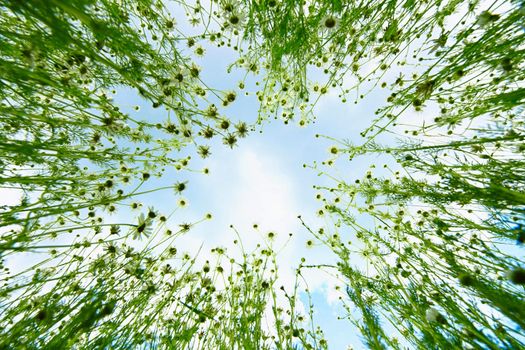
{"x": 10, "y": 196}
{"x": 264, "y": 193}
{"x": 252, "y": 186}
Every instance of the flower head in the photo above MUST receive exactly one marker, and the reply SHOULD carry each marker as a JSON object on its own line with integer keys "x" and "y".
{"x": 234, "y": 17}
{"x": 180, "y": 187}
{"x": 517, "y": 276}
{"x": 143, "y": 227}
{"x": 329, "y": 23}
{"x": 230, "y": 140}
{"x": 433, "y": 315}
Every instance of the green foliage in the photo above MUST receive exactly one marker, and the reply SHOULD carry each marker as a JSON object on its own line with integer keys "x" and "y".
{"x": 438, "y": 257}
{"x": 434, "y": 269}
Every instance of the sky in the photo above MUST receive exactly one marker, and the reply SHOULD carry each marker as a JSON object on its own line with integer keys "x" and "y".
{"x": 263, "y": 181}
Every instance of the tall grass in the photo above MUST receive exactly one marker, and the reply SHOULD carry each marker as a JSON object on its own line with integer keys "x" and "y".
{"x": 436, "y": 269}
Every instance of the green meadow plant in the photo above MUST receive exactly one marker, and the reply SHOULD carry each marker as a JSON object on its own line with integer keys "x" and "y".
{"x": 68, "y": 148}
{"x": 428, "y": 245}
{"x": 439, "y": 266}
{"x": 76, "y": 156}
{"x": 350, "y": 44}
{"x": 156, "y": 297}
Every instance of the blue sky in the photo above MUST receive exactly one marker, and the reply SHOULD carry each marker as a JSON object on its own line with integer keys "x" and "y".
{"x": 262, "y": 181}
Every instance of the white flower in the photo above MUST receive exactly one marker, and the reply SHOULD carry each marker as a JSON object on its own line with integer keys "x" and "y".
{"x": 142, "y": 229}
{"x": 329, "y": 23}
{"x": 234, "y": 15}
{"x": 433, "y": 315}
{"x": 234, "y": 20}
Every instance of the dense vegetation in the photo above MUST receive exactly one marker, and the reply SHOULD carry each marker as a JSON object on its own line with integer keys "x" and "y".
{"x": 441, "y": 270}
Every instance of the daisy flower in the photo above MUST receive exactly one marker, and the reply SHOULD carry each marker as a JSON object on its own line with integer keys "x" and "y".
{"x": 143, "y": 228}
{"x": 329, "y": 23}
